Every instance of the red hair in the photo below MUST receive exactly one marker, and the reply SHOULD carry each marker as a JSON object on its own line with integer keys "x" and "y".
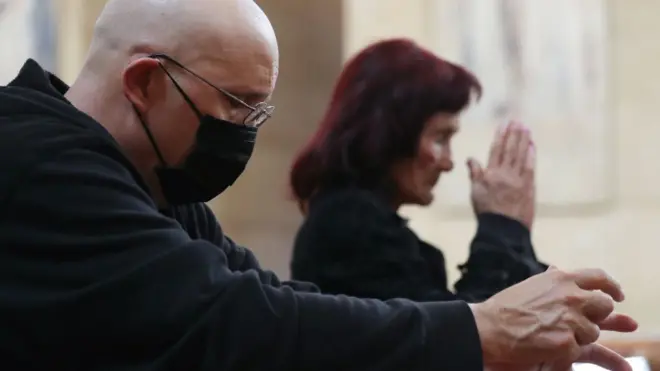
{"x": 377, "y": 112}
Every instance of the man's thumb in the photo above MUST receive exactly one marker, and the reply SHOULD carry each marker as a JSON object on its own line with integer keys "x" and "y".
{"x": 475, "y": 169}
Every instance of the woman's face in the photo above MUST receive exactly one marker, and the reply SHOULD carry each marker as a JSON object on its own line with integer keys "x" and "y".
{"x": 416, "y": 177}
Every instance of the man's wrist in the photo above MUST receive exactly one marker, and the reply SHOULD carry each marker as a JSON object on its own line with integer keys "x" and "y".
{"x": 486, "y": 329}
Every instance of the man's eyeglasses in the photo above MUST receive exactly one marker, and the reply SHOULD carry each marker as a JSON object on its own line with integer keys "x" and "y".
{"x": 259, "y": 113}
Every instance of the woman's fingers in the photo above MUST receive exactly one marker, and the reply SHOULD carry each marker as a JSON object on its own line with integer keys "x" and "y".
{"x": 497, "y": 147}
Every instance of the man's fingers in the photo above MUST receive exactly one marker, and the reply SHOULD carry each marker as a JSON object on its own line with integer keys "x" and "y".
{"x": 598, "y": 306}
{"x": 619, "y": 323}
{"x": 586, "y": 332}
{"x": 604, "y": 357}
{"x": 598, "y": 279}
{"x": 497, "y": 147}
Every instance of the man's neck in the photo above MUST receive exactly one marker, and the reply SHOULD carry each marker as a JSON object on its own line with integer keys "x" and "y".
{"x": 122, "y": 126}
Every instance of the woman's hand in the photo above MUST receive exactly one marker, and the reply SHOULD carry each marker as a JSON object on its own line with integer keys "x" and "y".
{"x": 507, "y": 185}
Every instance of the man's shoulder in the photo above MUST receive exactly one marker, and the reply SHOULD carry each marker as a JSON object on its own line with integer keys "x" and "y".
{"x": 27, "y": 140}
{"x": 39, "y": 136}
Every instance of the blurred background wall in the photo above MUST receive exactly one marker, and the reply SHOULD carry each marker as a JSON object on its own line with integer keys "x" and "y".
{"x": 619, "y": 234}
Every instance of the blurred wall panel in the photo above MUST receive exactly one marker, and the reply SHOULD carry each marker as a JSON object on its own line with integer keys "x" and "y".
{"x": 366, "y": 21}
{"x": 544, "y": 62}
{"x": 27, "y": 30}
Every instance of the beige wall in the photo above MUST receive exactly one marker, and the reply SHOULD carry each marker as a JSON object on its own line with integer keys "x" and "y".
{"x": 315, "y": 36}
{"x": 74, "y": 16}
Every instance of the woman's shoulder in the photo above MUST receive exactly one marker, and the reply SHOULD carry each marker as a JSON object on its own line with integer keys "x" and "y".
{"x": 349, "y": 201}
{"x": 349, "y": 221}
{"x": 350, "y": 211}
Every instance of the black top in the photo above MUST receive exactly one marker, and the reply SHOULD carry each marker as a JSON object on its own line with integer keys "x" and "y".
{"x": 352, "y": 242}
{"x": 94, "y": 277}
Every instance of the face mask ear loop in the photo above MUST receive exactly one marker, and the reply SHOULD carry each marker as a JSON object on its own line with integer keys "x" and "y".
{"x": 151, "y": 137}
{"x": 146, "y": 127}
{"x": 183, "y": 94}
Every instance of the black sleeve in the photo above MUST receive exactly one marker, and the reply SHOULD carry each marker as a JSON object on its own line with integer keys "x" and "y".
{"x": 116, "y": 285}
{"x": 350, "y": 245}
{"x": 241, "y": 259}
{"x": 501, "y": 255}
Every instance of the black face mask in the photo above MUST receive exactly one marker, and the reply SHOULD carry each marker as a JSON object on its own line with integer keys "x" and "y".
{"x": 219, "y": 155}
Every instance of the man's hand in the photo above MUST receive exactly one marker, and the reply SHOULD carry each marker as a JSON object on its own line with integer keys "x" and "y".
{"x": 506, "y": 186}
{"x": 551, "y": 318}
{"x": 593, "y": 353}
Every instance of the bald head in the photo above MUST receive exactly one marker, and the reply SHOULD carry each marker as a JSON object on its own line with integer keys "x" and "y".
{"x": 189, "y": 29}
{"x": 215, "y": 51}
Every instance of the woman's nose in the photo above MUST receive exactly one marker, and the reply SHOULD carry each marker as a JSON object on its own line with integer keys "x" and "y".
{"x": 446, "y": 161}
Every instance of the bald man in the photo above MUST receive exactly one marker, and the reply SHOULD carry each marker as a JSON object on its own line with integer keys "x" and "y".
{"x": 109, "y": 259}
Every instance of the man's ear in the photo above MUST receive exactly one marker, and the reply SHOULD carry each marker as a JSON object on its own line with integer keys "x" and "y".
{"x": 137, "y": 78}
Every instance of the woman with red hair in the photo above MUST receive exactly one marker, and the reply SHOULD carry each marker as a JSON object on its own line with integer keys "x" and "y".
{"x": 384, "y": 142}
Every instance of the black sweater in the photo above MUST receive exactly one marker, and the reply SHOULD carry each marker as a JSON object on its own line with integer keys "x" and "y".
{"x": 94, "y": 277}
{"x": 352, "y": 242}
